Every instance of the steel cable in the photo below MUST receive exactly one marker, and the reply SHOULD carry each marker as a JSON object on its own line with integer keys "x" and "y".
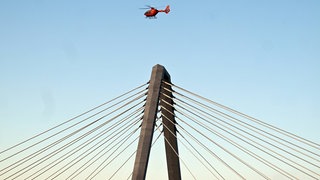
{"x": 81, "y": 146}
{"x": 64, "y": 138}
{"x": 206, "y": 148}
{"x": 298, "y": 138}
{"x": 115, "y": 137}
{"x": 224, "y": 149}
{"x": 254, "y": 155}
{"x": 94, "y": 173}
{"x": 90, "y": 151}
{"x": 269, "y": 164}
{"x": 67, "y": 128}
{"x": 261, "y": 144}
{"x": 64, "y": 147}
{"x": 238, "y": 121}
{"x": 232, "y": 119}
{"x": 134, "y": 153}
{"x": 37, "y": 135}
{"x": 261, "y": 149}
{"x": 185, "y": 165}
{"x": 193, "y": 149}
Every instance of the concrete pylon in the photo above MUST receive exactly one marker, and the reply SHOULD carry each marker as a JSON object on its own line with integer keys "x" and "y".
{"x": 169, "y": 131}
{"x": 158, "y": 75}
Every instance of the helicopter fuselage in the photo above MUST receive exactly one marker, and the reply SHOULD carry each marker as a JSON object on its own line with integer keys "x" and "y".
{"x": 151, "y": 13}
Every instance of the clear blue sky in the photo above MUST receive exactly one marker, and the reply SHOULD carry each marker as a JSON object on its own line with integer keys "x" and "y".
{"x": 60, "y": 58}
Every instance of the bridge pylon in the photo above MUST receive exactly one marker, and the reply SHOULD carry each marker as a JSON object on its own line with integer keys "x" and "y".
{"x": 158, "y": 96}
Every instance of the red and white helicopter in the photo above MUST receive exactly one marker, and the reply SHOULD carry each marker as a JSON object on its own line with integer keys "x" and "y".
{"x": 152, "y": 12}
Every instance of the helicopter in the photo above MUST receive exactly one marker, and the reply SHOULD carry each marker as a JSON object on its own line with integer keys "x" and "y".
{"x": 152, "y": 12}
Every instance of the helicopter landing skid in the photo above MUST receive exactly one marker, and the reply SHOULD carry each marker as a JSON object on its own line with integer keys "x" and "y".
{"x": 152, "y": 17}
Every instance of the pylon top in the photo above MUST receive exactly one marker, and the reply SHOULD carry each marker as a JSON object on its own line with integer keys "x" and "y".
{"x": 165, "y": 74}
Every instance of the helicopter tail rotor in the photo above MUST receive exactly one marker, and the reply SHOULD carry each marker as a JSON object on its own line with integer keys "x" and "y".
{"x": 167, "y": 10}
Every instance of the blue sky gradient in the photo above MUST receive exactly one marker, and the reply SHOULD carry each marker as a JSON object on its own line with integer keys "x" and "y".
{"x": 60, "y": 58}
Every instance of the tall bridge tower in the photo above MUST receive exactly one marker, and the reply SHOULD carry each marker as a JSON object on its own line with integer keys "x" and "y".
{"x": 154, "y": 99}
{"x": 103, "y": 141}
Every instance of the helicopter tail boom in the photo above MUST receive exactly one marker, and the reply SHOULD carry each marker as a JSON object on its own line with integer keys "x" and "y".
{"x": 166, "y": 10}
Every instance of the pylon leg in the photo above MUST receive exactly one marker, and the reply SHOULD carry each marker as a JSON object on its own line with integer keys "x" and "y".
{"x": 142, "y": 157}
{"x": 171, "y": 144}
